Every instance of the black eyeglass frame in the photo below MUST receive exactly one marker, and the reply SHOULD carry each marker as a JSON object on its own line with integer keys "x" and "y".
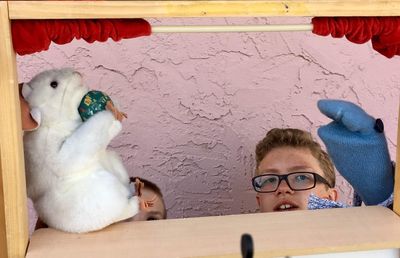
{"x": 317, "y": 178}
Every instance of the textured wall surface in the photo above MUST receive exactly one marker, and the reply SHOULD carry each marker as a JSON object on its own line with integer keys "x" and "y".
{"x": 198, "y": 103}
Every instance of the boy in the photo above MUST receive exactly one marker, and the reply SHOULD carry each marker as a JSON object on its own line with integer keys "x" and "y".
{"x": 149, "y": 191}
{"x": 290, "y": 167}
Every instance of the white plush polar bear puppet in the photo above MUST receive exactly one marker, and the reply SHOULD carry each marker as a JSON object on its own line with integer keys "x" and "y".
{"x": 75, "y": 183}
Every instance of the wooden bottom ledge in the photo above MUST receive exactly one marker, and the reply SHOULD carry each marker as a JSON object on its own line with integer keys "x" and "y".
{"x": 274, "y": 235}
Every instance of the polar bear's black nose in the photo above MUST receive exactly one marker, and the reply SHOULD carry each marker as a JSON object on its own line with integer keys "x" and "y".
{"x": 54, "y": 84}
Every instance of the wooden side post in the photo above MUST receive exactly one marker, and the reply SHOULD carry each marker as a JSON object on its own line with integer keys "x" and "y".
{"x": 13, "y": 200}
{"x": 396, "y": 202}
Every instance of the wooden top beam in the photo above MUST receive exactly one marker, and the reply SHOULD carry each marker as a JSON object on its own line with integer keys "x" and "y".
{"x": 196, "y": 8}
{"x": 274, "y": 235}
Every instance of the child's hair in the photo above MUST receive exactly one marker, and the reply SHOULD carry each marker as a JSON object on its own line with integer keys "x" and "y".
{"x": 296, "y": 138}
{"x": 152, "y": 186}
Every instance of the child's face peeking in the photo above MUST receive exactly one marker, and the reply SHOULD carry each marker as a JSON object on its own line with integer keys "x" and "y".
{"x": 156, "y": 211}
{"x": 284, "y": 160}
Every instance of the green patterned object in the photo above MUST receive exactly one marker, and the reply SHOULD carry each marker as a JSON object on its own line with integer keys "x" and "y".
{"x": 94, "y": 101}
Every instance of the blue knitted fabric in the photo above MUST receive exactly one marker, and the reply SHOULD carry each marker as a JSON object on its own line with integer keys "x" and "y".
{"x": 359, "y": 152}
{"x": 316, "y": 203}
{"x": 388, "y": 202}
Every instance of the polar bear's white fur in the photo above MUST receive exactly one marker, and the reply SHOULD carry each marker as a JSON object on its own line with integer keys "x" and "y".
{"x": 75, "y": 183}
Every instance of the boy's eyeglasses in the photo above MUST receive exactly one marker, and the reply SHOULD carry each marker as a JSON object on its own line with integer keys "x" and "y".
{"x": 297, "y": 181}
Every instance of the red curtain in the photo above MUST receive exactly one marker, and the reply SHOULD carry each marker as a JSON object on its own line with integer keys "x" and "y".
{"x": 30, "y": 36}
{"x": 384, "y": 32}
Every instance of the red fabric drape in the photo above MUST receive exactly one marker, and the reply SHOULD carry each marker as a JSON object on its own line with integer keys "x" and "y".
{"x": 384, "y": 32}
{"x": 30, "y": 36}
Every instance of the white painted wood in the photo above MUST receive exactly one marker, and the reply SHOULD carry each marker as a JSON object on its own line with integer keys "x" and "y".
{"x": 387, "y": 253}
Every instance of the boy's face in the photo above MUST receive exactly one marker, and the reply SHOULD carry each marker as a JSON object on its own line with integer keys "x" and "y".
{"x": 284, "y": 160}
{"x": 155, "y": 212}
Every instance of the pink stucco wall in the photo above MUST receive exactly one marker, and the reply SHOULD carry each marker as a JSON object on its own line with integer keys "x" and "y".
{"x": 198, "y": 103}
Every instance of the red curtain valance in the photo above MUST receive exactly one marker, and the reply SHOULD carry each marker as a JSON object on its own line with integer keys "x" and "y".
{"x": 30, "y": 36}
{"x": 384, "y": 32}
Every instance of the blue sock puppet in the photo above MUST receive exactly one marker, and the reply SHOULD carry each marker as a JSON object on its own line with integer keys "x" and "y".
{"x": 357, "y": 145}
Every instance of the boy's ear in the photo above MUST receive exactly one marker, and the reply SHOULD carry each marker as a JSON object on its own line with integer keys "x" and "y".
{"x": 333, "y": 194}
{"x": 258, "y": 200}
{"x": 28, "y": 123}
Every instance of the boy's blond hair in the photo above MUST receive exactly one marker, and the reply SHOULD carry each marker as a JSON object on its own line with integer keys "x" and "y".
{"x": 296, "y": 138}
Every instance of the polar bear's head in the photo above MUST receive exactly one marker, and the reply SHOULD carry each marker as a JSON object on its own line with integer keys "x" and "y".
{"x": 56, "y": 94}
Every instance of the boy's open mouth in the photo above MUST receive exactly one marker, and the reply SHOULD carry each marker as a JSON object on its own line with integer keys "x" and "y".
{"x": 285, "y": 206}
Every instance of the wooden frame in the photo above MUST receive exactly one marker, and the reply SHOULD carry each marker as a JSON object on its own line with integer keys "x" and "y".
{"x": 13, "y": 210}
{"x": 383, "y": 229}
{"x": 274, "y": 235}
{"x": 198, "y": 8}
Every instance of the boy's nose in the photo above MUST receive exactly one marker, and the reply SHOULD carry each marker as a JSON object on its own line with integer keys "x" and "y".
{"x": 283, "y": 188}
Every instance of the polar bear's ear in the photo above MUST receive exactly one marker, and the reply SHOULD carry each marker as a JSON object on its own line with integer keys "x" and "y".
{"x": 26, "y": 90}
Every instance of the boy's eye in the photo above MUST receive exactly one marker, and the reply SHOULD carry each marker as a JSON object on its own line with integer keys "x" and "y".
{"x": 302, "y": 178}
{"x": 271, "y": 180}
{"x": 268, "y": 181}
{"x": 54, "y": 84}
